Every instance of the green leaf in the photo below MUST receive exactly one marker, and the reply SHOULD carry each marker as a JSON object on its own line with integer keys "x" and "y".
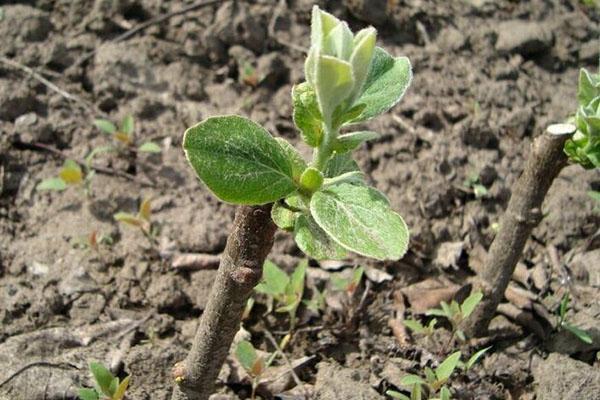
{"x": 88, "y": 394}
{"x": 71, "y": 172}
{"x": 314, "y": 242}
{"x": 307, "y": 116}
{"x": 360, "y": 219}
{"x": 415, "y": 393}
{"x": 475, "y": 357}
{"x": 364, "y": 46}
{"x": 594, "y": 195}
{"x": 350, "y": 141}
{"x": 430, "y": 375}
{"x": 297, "y": 279}
{"x": 409, "y": 380}
{"x": 589, "y": 87}
{"x": 447, "y": 367}
{"x": 386, "y": 83}
{"x": 149, "y": 147}
{"x": 580, "y": 333}
{"x": 105, "y": 126}
{"x": 127, "y": 125}
{"x": 468, "y": 306}
{"x": 102, "y": 376}
{"x": 120, "y": 392}
{"x": 52, "y": 184}
{"x": 397, "y": 395}
{"x": 114, "y": 385}
{"x": 246, "y": 354}
{"x": 340, "y": 164}
{"x": 444, "y": 393}
{"x": 283, "y": 217}
{"x": 239, "y": 161}
{"x": 414, "y": 325}
{"x": 295, "y": 158}
{"x": 275, "y": 280}
{"x": 334, "y": 82}
{"x": 437, "y": 312}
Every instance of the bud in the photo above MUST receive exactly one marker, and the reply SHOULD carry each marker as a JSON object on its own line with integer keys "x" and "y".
{"x": 311, "y": 179}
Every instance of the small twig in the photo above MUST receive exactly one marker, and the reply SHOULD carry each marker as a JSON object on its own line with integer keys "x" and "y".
{"x": 153, "y": 21}
{"x": 195, "y": 261}
{"x": 103, "y": 170}
{"x": 69, "y": 96}
{"x": 37, "y": 364}
{"x": 271, "y": 30}
{"x": 285, "y": 359}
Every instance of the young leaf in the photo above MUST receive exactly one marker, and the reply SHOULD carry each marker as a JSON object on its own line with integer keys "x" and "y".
{"x": 145, "y": 211}
{"x": 127, "y": 125}
{"x": 274, "y": 281}
{"x": 307, "y": 116}
{"x": 105, "y": 126}
{"x": 283, "y": 217}
{"x": 350, "y": 141}
{"x": 88, "y": 394}
{"x": 430, "y": 375}
{"x": 238, "y": 160}
{"x": 475, "y": 357}
{"x": 120, "y": 392}
{"x": 149, "y": 147}
{"x": 71, "y": 172}
{"x": 246, "y": 355}
{"x": 409, "y": 380}
{"x": 52, "y": 184}
{"x": 447, "y": 367}
{"x": 360, "y": 219}
{"x": 364, "y": 45}
{"x": 387, "y": 80}
{"x": 128, "y": 219}
{"x": 414, "y": 325}
{"x": 444, "y": 393}
{"x": 334, "y": 82}
{"x": 468, "y": 306}
{"x": 340, "y": 164}
{"x": 437, "y": 312}
{"x": 114, "y": 385}
{"x": 314, "y": 242}
{"x": 297, "y": 279}
{"x": 397, "y": 395}
{"x": 580, "y": 333}
{"x": 102, "y": 376}
{"x": 589, "y": 87}
{"x": 415, "y": 393}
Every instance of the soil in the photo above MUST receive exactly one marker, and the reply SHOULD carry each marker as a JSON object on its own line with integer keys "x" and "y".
{"x": 488, "y": 77}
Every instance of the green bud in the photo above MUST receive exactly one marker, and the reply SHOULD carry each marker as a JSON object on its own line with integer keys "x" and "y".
{"x": 311, "y": 179}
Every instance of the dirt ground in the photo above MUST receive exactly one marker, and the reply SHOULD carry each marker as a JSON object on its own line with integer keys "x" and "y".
{"x": 488, "y": 77}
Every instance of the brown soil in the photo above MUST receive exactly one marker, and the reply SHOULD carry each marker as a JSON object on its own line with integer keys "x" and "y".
{"x": 488, "y": 77}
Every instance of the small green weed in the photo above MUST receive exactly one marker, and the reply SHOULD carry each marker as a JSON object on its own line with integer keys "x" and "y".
{"x": 108, "y": 387}
{"x": 562, "y": 322}
{"x": 456, "y": 313}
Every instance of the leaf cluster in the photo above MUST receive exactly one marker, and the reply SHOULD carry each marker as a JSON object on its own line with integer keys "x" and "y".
{"x": 325, "y": 203}
{"x": 286, "y": 291}
{"x": 584, "y": 147}
{"x": 124, "y": 134}
{"x": 142, "y": 220}
{"x": 563, "y": 323}
{"x": 107, "y": 386}
{"x": 434, "y": 381}
{"x": 456, "y": 313}
{"x": 71, "y": 174}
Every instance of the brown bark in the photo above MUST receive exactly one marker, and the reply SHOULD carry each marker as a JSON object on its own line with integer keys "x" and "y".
{"x": 239, "y": 271}
{"x": 523, "y": 213}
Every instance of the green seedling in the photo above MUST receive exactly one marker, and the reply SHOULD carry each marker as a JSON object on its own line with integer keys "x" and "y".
{"x": 456, "y": 313}
{"x": 70, "y": 175}
{"x": 325, "y": 203}
{"x": 419, "y": 328}
{"x": 433, "y": 385}
{"x": 317, "y": 302}
{"x": 124, "y": 136}
{"x": 254, "y": 364}
{"x": 472, "y": 182}
{"x": 108, "y": 387}
{"x": 142, "y": 220}
{"x": 348, "y": 285}
{"x": 584, "y": 147}
{"x": 562, "y": 322}
{"x": 286, "y": 291}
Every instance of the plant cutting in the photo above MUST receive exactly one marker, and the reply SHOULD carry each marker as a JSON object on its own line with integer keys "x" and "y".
{"x": 325, "y": 203}
{"x": 577, "y": 141}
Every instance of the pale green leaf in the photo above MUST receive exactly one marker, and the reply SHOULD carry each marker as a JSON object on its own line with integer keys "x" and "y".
{"x": 120, "y": 392}
{"x": 114, "y": 385}
{"x": 149, "y": 147}
{"x": 386, "y": 83}
{"x": 102, "y": 376}
{"x": 88, "y": 394}
{"x": 52, "y": 184}
{"x": 322, "y": 23}
{"x": 339, "y": 42}
{"x": 414, "y": 325}
{"x": 475, "y": 357}
{"x": 447, "y": 367}
{"x": 415, "y": 393}
{"x": 246, "y": 354}
{"x": 470, "y": 303}
{"x": 314, "y": 242}
{"x": 105, "y": 126}
{"x": 360, "y": 219}
{"x": 334, "y": 82}
{"x": 437, "y": 312}
{"x": 350, "y": 141}
{"x": 444, "y": 393}
{"x": 589, "y": 87}
{"x": 274, "y": 280}
{"x": 294, "y": 157}
{"x": 128, "y": 219}
{"x": 364, "y": 46}
{"x": 580, "y": 333}
{"x": 283, "y": 217}
{"x": 297, "y": 279}
{"x": 127, "y": 125}
{"x": 340, "y": 164}
{"x": 409, "y": 380}
{"x": 307, "y": 116}
{"x": 238, "y": 160}
{"x": 397, "y": 395}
